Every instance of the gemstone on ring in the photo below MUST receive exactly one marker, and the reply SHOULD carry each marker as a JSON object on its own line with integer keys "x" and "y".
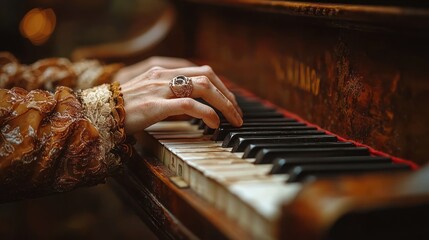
{"x": 181, "y": 86}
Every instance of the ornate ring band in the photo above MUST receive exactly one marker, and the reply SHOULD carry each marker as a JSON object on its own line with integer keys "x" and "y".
{"x": 181, "y": 86}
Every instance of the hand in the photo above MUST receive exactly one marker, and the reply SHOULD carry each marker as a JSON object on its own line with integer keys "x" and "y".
{"x": 149, "y": 99}
{"x": 129, "y": 72}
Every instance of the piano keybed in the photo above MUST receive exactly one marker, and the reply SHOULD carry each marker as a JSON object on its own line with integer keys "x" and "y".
{"x": 249, "y": 172}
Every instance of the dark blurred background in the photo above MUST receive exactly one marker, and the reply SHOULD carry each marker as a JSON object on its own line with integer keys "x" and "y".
{"x": 35, "y": 29}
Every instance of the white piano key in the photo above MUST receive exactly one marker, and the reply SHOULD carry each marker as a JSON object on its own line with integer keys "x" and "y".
{"x": 205, "y": 144}
{"x": 198, "y": 179}
{"x": 262, "y": 211}
{"x": 205, "y": 162}
{"x": 205, "y": 138}
{"x": 243, "y": 190}
{"x": 218, "y": 162}
{"x": 175, "y": 133}
{"x": 211, "y": 155}
{"x": 200, "y": 150}
{"x": 171, "y": 126}
{"x": 152, "y": 146}
{"x": 210, "y": 175}
{"x": 181, "y": 135}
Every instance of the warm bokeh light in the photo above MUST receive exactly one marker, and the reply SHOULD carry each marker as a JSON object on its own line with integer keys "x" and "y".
{"x": 37, "y": 25}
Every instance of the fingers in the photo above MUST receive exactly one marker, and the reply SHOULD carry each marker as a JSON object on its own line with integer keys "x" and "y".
{"x": 169, "y": 62}
{"x": 189, "y": 106}
{"x": 143, "y": 113}
{"x": 204, "y": 88}
{"x": 162, "y": 62}
{"x": 129, "y": 72}
{"x": 149, "y": 99}
{"x": 203, "y": 71}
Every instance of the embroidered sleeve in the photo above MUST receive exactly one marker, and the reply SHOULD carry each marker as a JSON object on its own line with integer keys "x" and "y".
{"x": 55, "y": 142}
{"x": 49, "y": 73}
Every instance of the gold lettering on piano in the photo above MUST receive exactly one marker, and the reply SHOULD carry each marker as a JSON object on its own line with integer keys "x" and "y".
{"x": 317, "y": 11}
{"x": 298, "y": 74}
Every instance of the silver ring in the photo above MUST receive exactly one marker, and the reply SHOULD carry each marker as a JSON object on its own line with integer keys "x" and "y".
{"x": 181, "y": 86}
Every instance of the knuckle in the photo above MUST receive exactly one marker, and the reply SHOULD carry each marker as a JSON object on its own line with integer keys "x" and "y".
{"x": 155, "y": 72}
{"x": 207, "y": 69}
{"x": 186, "y": 104}
{"x": 229, "y": 105}
{"x": 153, "y": 61}
{"x": 156, "y": 68}
{"x": 204, "y": 82}
{"x": 145, "y": 105}
{"x": 212, "y": 113}
{"x": 153, "y": 86}
{"x": 232, "y": 96}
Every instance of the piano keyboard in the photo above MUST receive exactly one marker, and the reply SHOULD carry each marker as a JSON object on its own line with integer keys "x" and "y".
{"x": 249, "y": 172}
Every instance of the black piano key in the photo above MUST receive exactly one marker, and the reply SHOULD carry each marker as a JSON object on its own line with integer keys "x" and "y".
{"x": 229, "y": 140}
{"x": 285, "y": 165}
{"x": 312, "y": 172}
{"x": 220, "y": 133}
{"x": 259, "y": 115}
{"x": 263, "y": 124}
{"x": 243, "y": 142}
{"x": 268, "y": 120}
{"x": 227, "y": 126}
{"x": 202, "y": 125}
{"x": 283, "y": 134}
{"x": 248, "y": 104}
{"x": 253, "y": 149}
{"x": 257, "y": 108}
{"x": 266, "y": 156}
{"x": 243, "y": 102}
{"x": 195, "y": 121}
{"x": 249, "y": 108}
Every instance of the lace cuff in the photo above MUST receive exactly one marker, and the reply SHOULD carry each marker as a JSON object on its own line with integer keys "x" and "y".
{"x": 104, "y": 108}
{"x": 122, "y": 143}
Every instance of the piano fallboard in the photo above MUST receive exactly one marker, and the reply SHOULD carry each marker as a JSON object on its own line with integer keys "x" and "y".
{"x": 357, "y": 70}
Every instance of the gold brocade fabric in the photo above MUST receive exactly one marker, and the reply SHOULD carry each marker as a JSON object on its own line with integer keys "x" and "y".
{"x": 49, "y": 73}
{"x": 51, "y": 141}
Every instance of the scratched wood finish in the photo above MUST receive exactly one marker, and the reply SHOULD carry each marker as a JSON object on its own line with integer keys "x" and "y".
{"x": 366, "y": 84}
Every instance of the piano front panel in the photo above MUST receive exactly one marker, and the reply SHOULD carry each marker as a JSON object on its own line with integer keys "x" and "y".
{"x": 364, "y": 80}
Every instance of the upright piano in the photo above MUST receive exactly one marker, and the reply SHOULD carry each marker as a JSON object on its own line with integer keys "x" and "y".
{"x": 335, "y": 137}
